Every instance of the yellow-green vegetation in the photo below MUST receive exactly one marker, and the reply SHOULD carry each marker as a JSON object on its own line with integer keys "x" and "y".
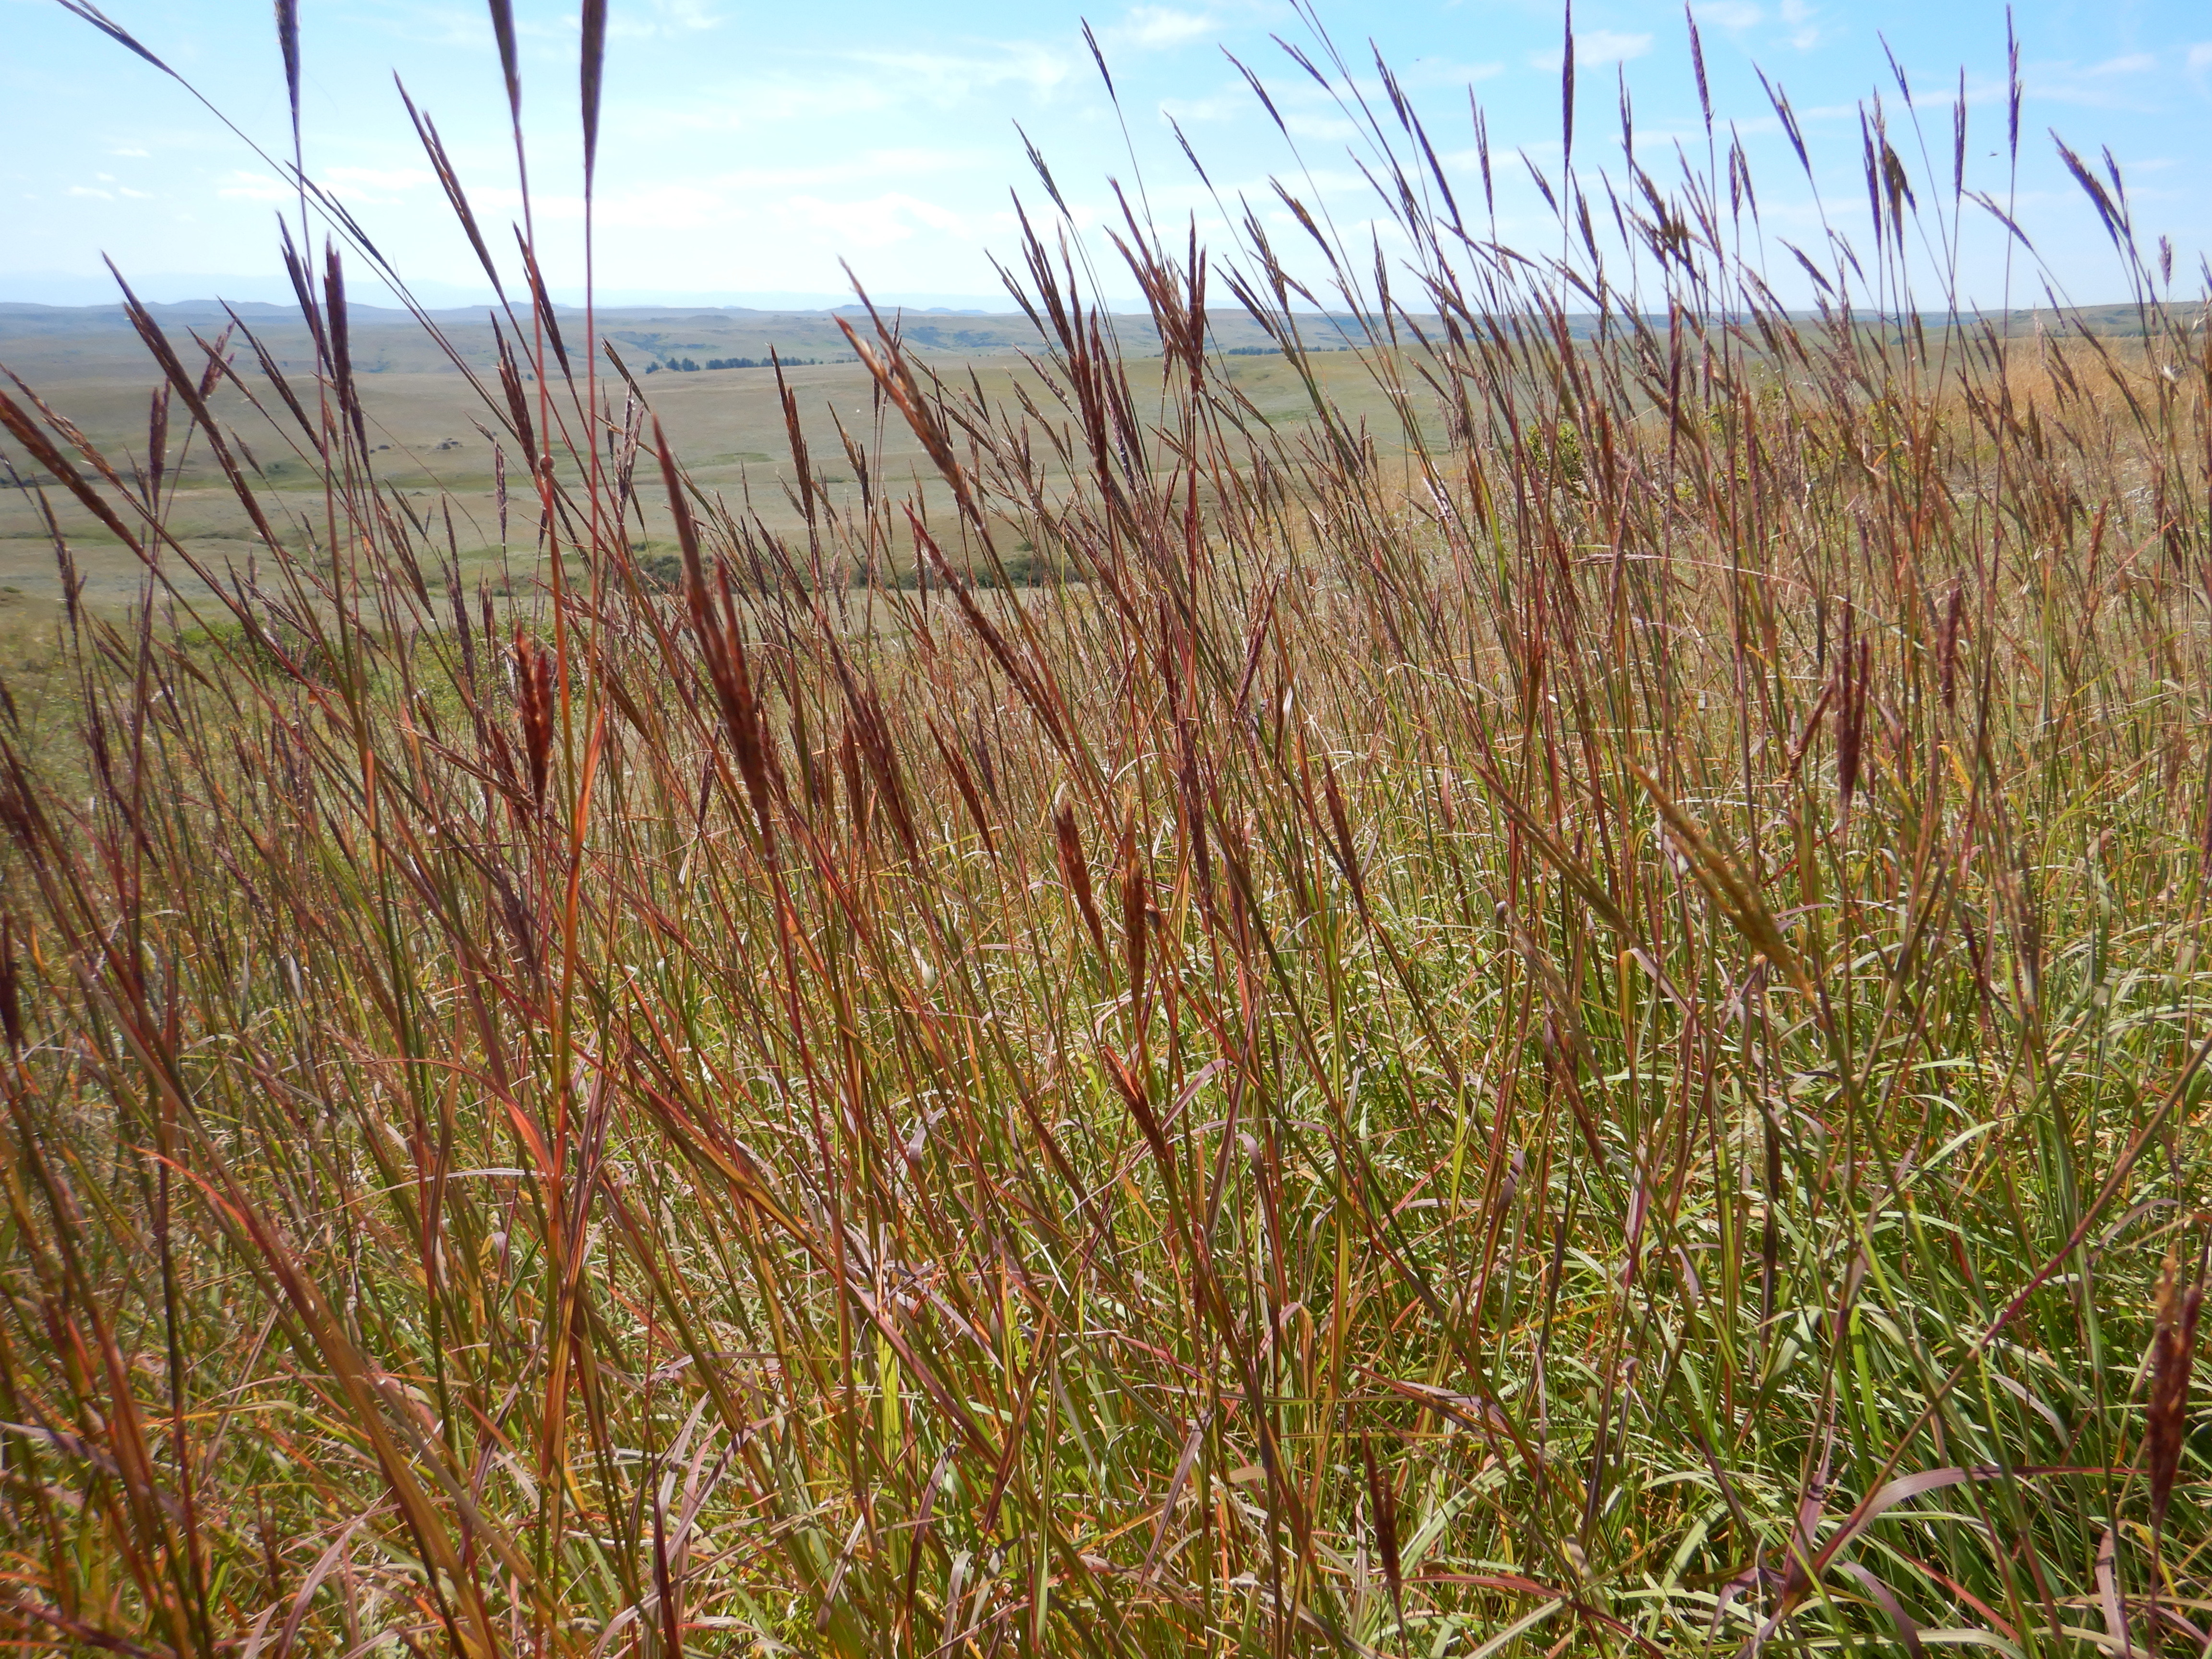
{"x": 1563, "y": 1017}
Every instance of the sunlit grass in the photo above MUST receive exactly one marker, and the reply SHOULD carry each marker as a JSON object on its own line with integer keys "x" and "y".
{"x": 1576, "y": 1031}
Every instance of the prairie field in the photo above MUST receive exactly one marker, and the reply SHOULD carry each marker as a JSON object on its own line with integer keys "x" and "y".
{"x": 1531, "y": 989}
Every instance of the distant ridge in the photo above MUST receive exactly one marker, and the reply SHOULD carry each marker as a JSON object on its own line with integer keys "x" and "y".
{"x": 186, "y": 311}
{"x": 71, "y": 290}
{"x": 650, "y": 338}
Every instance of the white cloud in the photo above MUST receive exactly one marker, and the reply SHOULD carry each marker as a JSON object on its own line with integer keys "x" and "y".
{"x": 1805, "y": 33}
{"x": 2113, "y": 84}
{"x": 739, "y": 201}
{"x": 873, "y": 164}
{"x": 2200, "y": 55}
{"x": 1232, "y": 102}
{"x": 1597, "y": 46}
{"x": 1728, "y": 13}
{"x": 256, "y": 187}
{"x": 378, "y": 178}
{"x": 86, "y": 189}
{"x": 750, "y": 105}
{"x": 661, "y": 207}
{"x": 669, "y": 18}
{"x": 1310, "y": 112}
{"x": 947, "y": 78}
{"x": 879, "y": 222}
{"x": 1605, "y": 46}
{"x": 1164, "y": 26}
{"x": 128, "y": 149}
{"x": 685, "y": 14}
{"x": 846, "y": 87}
{"x": 1445, "y": 72}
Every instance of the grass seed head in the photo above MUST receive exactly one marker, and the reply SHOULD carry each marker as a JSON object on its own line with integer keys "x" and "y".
{"x": 2174, "y": 1349}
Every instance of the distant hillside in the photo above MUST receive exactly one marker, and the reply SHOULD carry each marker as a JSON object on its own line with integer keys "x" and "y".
{"x": 387, "y": 340}
{"x": 100, "y": 340}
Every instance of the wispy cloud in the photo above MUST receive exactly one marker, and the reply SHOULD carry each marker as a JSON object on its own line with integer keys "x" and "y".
{"x": 878, "y": 221}
{"x": 948, "y": 77}
{"x": 763, "y": 102}
{"x": 378, "y": 178}
{"x": 1595, "y": 47}
{"x": 1335, "y": 127}
{"x": 2116, "y": 83}
{"x": 1311, "y": 111}
{"x": 1805, "y": 33}
{"x": 1448, "y": 72}
{"x": 685, "y": 14}
{"x": 1728, "y": 13}
{"x": 255, "y": 187}
{"x": 875, "y": 164}
{"x": 757, "y": 202}
{"x": 1155, "y": 26}
{"x": 1232, "y": 102}
{"x": 664, "y": 207}
{"x": 662, "y": 18}
{"x": 849, "y": 87}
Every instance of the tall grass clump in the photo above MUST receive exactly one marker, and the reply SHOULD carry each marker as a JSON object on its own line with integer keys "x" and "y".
{"x": 1574, "y": 1024}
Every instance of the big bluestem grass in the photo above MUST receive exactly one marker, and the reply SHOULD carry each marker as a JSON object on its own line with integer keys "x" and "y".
{"x": 1572, "y": 1028}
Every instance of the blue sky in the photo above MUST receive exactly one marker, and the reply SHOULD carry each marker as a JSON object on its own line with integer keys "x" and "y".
{"x": 749, "y": 146}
